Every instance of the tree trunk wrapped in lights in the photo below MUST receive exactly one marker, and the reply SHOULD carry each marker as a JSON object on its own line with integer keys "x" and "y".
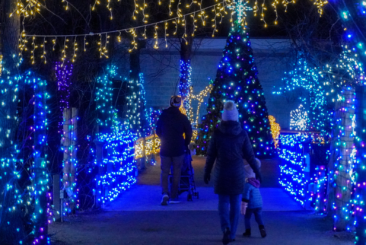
{"x": 69, "y": 158}
{"x": 11, "y": 214}
{"x": 344, "y": 154}
{"x": 353, "y": 18}
{"x": 186, "y": 43}
{"x": 40, "y": 172}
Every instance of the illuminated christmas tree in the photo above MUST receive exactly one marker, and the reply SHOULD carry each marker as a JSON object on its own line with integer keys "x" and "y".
{"x": 237, "y": 80}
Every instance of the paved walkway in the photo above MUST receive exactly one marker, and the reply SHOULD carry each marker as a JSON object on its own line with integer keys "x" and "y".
{"x": 136, "y": 218}
{"x": 147, "y": 198}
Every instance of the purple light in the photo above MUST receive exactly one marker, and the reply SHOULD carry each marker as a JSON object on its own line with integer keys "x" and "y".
{"x": 63, "y": 75}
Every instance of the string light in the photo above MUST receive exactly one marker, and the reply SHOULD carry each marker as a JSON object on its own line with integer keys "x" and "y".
{"x": 170, "y": 7}
{"x": 319, "y": 117}
{"x": 1, "y": 64}
{"x": 67, "y": 129}
{"x": 200, "y": 98}
{"x": 194, "y": 117}
{"x": 237, "y": 80}
{"x": 136, "y": 107}
{"x": 40, "y": 174}
{"x": 118, "y": 163}
{"x": 185, "y": 81}
{"x": 44, "y": 51}
{"x": 34, "y": 46}
{"x": 320, "y": 5}
{"x": 218, "y": 8}
{"x": 11, "y": 168}
{"x": 156, "y": 45}
{"x": 319, "y": 193}
{"x": 27, "y": 9}
{"x": 110, "y": 9}
{"x": 352, "y": 59}
{"x": 293, "y": 169}
{"x": 75, "y": 50}
{"x": 67, "y": 5}
{"x": 64, "y": 50}
{"x": 343, "y": 177}
{"x": 299, "y": 119}
{"x": 238, "y": 7}
{"x": 147, "y": 146}
{"x": 275, "y": 129}
{"x": 97, "y": 2}
{"x": 133, "y": 43}
{"x": 165, "y": 34}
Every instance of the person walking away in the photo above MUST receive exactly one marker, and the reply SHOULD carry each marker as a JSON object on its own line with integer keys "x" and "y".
{"x": 252, "y": 200}
{"x": 171, "y": 126}
{"x": 228, "y": 146}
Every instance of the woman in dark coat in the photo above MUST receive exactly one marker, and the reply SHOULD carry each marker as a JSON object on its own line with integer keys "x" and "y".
{"x": 229, "y": 145}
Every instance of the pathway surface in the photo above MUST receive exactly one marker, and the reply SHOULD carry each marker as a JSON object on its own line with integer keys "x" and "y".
{"x": 136, "y": 218}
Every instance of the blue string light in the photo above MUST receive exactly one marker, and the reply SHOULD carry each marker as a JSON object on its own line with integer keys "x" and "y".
{"x": 118, "y": 165}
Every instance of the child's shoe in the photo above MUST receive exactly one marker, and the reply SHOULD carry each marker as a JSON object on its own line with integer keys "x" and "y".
{"x": 247, "y": 233}
{"x": 262, "y": 231}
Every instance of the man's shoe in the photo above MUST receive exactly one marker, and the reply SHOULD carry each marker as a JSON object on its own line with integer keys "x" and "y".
{"x": 174, "y": 201}
{"x": 263, "y": 232}
{"x": 164, "y": 200}
{"x": 247, "y": 233}
{"x": 226, "y": 238}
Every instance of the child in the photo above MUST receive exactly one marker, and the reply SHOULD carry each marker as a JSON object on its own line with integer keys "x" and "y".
{"x": 252, "y": 200}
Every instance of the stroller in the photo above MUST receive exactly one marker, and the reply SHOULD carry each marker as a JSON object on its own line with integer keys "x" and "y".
{"x": 186, "y": 179}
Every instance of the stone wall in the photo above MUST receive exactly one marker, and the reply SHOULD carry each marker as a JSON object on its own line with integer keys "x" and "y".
{"x": 161, "y": 69}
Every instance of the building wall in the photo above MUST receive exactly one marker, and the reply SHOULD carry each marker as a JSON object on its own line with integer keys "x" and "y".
{"x": 161, "y": 69}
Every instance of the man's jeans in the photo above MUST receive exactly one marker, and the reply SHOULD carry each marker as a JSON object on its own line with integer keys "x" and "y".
{"x": 229, "y": 211}
{"x": 166, "y": 163}
{"x": 257, "y": 214}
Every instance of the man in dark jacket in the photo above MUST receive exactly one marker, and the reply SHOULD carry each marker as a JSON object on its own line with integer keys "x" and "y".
{"x": 229, "y": 145}
{"x": 171, "y": 126}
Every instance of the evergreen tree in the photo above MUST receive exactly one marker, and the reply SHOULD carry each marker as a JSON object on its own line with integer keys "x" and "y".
{"x": 237, "y": 80}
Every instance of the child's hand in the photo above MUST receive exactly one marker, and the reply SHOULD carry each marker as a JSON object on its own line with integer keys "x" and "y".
{"x": 243, "y": 207}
